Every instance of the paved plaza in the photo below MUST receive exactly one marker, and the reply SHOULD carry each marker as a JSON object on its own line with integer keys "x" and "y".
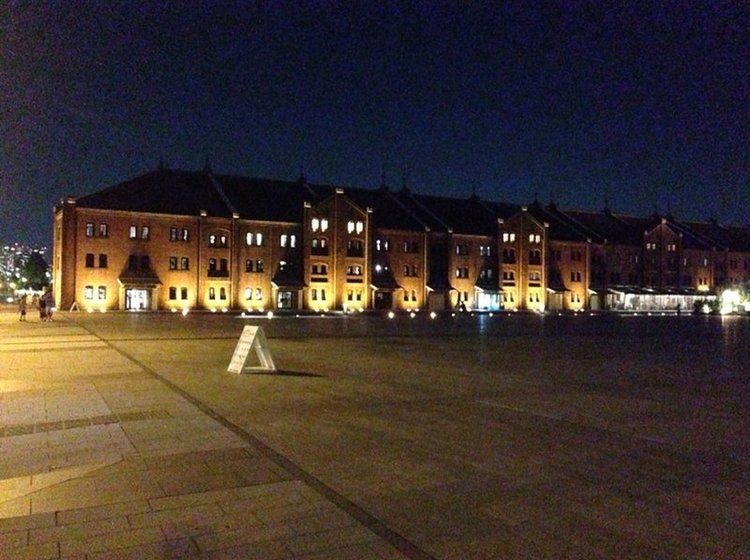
{"x": 123, "y": 436}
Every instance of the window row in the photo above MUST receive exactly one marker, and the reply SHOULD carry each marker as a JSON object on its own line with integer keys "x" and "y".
{"x": 355, "y": 227}
{"x": 91, "y": 259}
{"x": 177, "y": 234}
{"x": 319, "y": 224}
{"x": 101, "y": 293}
{"x": 143, "y": 233}
{"x": 91, "y": 230}
{"x": 249, "y": 293}
{"x": 173, "y": 293}
{"x": 184, "y": 263}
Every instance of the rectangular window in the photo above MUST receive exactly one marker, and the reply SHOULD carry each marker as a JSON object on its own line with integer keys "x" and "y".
{"x": 222, "y": 293}
{"x": 314, "y": 294}
{"x": 102, "y": 293}
{"x": 145, "y": 263}
{"x": 258, "y": 294}
{"x": 172, "y": 292}
{"x": 89, "y": 260}
{"x": 133, "y": 232}
{"x": 145, "y": 232}
{"x": 88, "y": 292}
{"x": 89, "y": 229}
{"x": 173, "y": 235}
{"x": 292, "y": 240}
{"x": 184, "y": 263}
{"x": 172, "y": 263}
{"x": 284, "y": 239}
{"x": 103, "y": 230}
{"x": 259, "y": 265}
{"x": 102, "y": 260}
{"x": 212, "y": 293}
{"x": 184, "y": 292}
{"x": 249, "y": 265}
{"x": 248, "y": 294}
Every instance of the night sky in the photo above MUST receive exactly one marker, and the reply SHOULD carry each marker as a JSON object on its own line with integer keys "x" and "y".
{"x": 643, "y": 104}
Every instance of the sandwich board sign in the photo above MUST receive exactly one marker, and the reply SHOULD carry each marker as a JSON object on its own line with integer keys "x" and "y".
{"x": 252, "y": 339}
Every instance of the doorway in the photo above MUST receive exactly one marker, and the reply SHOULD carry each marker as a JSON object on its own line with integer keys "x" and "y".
{"x": 136, "y": 299}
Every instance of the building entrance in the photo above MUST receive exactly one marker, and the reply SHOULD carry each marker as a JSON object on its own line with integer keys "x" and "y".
{"x": 383, "y": 300}
{"x": 136, "y": 299}
{"x": 286, "y": 300}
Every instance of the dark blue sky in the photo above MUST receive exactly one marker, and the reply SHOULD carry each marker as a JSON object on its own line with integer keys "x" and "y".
{"x": 644, "y": 103}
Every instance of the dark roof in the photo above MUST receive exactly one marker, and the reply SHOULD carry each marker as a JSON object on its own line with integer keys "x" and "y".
{"x": 388, "y": 211}
{"x": 163, "y": 191}
{"x": 266, "y": 199}
{"x": 560, "y": 228}
{"x": 731, "y": 238}
{"x": 168, "y": 191}
{"x": 460, "y": 215}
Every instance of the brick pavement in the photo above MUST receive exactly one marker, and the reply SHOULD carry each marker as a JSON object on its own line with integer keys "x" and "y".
{"x": 102, "y": 459}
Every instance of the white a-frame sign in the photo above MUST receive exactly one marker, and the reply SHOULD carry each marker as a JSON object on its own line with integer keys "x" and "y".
{"x": 252, "y": 338}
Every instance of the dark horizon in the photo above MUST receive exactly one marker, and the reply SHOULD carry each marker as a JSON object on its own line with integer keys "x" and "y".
{"x": 644, "y": 107}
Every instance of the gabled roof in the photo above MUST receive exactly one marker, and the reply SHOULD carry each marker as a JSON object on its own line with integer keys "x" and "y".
{"x": 163, "y": 191}
{"x": 730, "y": 238}
{"x": 270, "y": 200}
{"x": 560, "y": 228}
{"x": 459, "y": 215}
{"x": 388, "y": 211}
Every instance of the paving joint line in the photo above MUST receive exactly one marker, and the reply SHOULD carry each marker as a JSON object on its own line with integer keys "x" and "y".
{"x": 369, "y": 521}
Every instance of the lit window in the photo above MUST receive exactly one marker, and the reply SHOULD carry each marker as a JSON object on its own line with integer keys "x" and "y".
{"x": 292, "y": 240}
{"x": 350, "y": 227}
{"x": 103, "y": 230}
{"x": 172, "y": 263}
{"x": 259, "y": 265}
{"x": 185, "y": 263}
{"x": 89, "y": 229}
{"x": 212, "y": 240}
{"x": 315, "y": 224}
{"x": 248, "y": 294}
{"x": 284, "y": 239}
{"x": 223, "y": 241}
{"x": 145, "y": 232}
{"x": 185, "y": 234}
{"x": 88, "y": 292}
{"x": 258, "y": 294}
{"x": 173, "y": 234}
{"x": 133, "y": 232}
{"x": 259, "y": 239}
{"x": 323, "y": 227}
{"x": 360, "y": 227}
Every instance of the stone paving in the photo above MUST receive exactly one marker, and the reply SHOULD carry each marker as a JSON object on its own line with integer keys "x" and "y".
{"x": 125, "y": 437}
{"x": 101, "y": 459}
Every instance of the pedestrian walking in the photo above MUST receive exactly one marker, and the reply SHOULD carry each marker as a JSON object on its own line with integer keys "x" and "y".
{"x": 22, "y": 306}
{"x": 48, "y": 301}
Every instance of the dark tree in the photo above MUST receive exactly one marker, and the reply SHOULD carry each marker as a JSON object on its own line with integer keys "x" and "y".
{"x": 35, "y": 271}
